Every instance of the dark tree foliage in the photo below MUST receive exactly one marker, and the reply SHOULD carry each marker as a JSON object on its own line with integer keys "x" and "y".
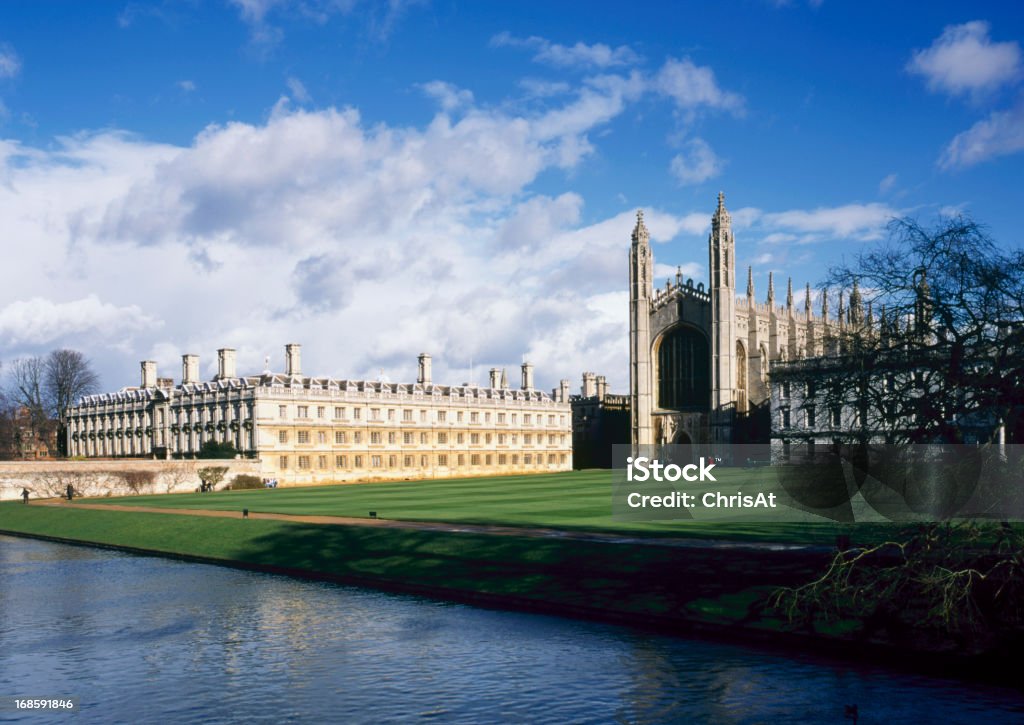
{"x": 933, "y": 341}
{"x": 217, "y": 449}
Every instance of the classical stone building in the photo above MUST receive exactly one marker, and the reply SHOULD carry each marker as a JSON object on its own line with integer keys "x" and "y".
{"x": 320, "y": 429}
{"x": 701, "y": 356}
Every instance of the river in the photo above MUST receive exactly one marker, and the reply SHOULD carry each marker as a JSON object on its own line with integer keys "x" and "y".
{"x": 144, "y": 639}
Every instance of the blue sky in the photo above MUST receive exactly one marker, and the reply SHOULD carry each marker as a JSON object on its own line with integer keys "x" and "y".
{"x": 377, "y": 179}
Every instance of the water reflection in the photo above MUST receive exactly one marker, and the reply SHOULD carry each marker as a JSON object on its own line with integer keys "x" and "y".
{"x": 148, "y": 640}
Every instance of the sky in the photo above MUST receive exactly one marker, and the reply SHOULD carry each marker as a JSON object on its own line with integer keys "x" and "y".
{"x": 378, "y": 179}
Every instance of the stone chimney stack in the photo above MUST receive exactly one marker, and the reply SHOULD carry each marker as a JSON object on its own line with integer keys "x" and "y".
{"x": 602, "y": 387}
{"x": 527, "y": 376}
{"x": 495, "y": 378}
{"x": 293, "y": 359}
{"x": 189, "y": 369}
{"x": 563, "y": 391}
{"x": 589, "y": 385}
{"x": 423, "y": 376}
{"x": 226, "y": 367}
{"x": 148, "y": 374}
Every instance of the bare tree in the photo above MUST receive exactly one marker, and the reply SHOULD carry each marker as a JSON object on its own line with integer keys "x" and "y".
{"x": 26, "y": 377}
{"x": 945, "y": 357}
{"x": 67, "y": 376}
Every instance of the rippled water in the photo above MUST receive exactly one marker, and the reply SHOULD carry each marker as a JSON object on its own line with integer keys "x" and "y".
{"x": 141, "y": 639}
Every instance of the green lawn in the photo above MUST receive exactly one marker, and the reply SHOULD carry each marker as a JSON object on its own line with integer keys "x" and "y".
{"x": 579, "y": 500}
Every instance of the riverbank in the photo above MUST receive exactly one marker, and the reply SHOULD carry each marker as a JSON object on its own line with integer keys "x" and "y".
{"x": 708, "y": 590}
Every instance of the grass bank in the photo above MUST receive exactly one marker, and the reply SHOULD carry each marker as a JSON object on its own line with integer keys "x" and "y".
{"x": 577, "y": 500}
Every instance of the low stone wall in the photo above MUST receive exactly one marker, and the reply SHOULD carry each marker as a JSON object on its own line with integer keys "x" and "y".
{"x": 48, "y": 479}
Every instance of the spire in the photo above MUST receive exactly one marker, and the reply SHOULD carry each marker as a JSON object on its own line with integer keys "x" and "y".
{"x": 856, "y": 306}
{"x": 824, "y": 303}
{"x": 721, "y": 216}
{"x": 807, "y": 301}
{"x": 640, "y": 234}
{"x": 883, "y": 326}
{"x": 841, "y": 311}
{"x": 771, "y": 289}
{"x": 679, "y": 276}
{"x": 750, "y": 282}
{"x": 789, "y": 295}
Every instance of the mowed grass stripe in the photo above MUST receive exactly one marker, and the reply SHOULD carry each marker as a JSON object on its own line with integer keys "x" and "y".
{"x": 578, "y": 500}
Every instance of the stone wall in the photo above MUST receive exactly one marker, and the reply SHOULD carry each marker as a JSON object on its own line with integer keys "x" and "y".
{"x": 47, "y": 479}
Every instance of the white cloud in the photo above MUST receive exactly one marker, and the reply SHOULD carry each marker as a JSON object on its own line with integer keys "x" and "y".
{"x": 886, "y": 184}
{"x": 580, "y": 55}
{"x": 856, "y": 221}
{"x": 449, "y": 96}
{"x": 692, "y": 86}
{"x": 696, "y": 163}
{"x": 298, "y": 90}
{"x": 964, "y": 61}
{"x": 187, "y": 86}
{"x": 39, "y": 320}
{"x": 10, "y": 64}
{"x": 536, "y": 88}
{"x": 1001, "y": 134}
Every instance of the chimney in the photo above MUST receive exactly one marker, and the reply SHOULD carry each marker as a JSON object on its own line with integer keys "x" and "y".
{"x": 423, "y": 377}
{"x": 226, "y": 364}
{"x": 189, "y": 369}
{"x": 527, "y": 376}
{"x": 495, "y": 378}
{"x": 589, "y": 385}
{"x": 293, "y": 359}
{"x": 148, "y": 374}
{"x": 563, "y": 391}
{"x": 602, "y": 387}
{"x": 165, "y": 382}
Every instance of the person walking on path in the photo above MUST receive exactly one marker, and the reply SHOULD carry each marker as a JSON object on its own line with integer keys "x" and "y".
{"x": 24, "y": 495}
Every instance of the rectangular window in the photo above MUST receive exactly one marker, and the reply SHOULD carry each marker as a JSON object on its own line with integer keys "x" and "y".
{"x": 458, "y": 417}
{"x": 375, "y": 438}
{"x": 423, "y": 439}
{"x": 442, "y": 416}
{"x": 341, "y": 461}
{"x": 357, "y": 413}
{"x": 514, "y": 417}
{"x": 339, "y": 436}
{"x": 392, "y": 438}
{"x": 321, "y": 437}
{"x": 339, "y": 413}
{"x": 488, "y": 459}
{"x": 282, "y": 411}
{"x": 785, "y": 417}
{"x": 407, "y": 415}
{"x": 515, "y": 459}
{"x": 375, "y": 462}
{"x": 487, "y": 417}
{"x": 462, "y": 460}
{"x": 442, "y": 437}
{"x": 321, "y": 461}
{"x": 391, "y": 413}
{"x": 501, "y": 417}
{"x": 321, "y": 411}
{"x": 407, "y": 462}
{"x": 474, "y": 417}
{"x": 527, "y": 459}
{"x": 526, "y": 419}
{"x": 282, "y": 462}
{"x": 423, "y": 416}
{"x": 392, "y": 461}
{"x": 528, "y": 438}
{"x": 302, "y": 411}
{"x": 282, "y": 436}
{"x": 474, "y": 460}
{"x": 303, "y": 436}
{"x": 811, "y": 417}
{"x": 358, "y": 460}
{"x": 423, "y": 461}
{"x": 407, "y": 438}
{"x": 837, "y": 416}
{"x": 303, "y": 461}
{"x": 551, "y": 420}
{"x": 442, "y": 460}
{"x": 785, "y": 389}
{"x": 357, "y": 437}
{"x": 474, "y": 439}
{"x": 374, "y": 413}
{"x": 461, "y": 438}
{"x": 501, "y": 439}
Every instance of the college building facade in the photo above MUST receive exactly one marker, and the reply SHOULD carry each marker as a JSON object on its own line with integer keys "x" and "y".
{"x": 319, "y": 429}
